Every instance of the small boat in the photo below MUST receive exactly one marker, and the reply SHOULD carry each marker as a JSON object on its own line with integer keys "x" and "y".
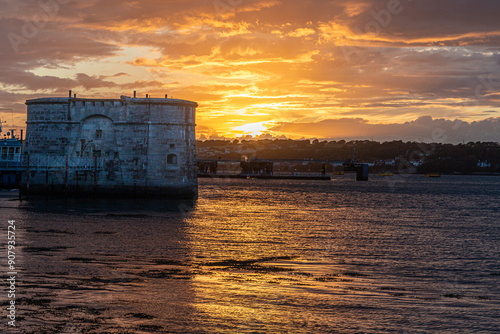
{"x": 385, "y": 174}
{"x": 432, "y": 175}
{"x": 338, "y": 173}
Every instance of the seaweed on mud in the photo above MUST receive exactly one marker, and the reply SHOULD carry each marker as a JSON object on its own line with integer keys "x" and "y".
{"x": 140, "y": 315}
{"x": 114, "y": 280}
{"x": 483, "y": 298}
{"x": 128, "y": 215}
{"x": 34, "y": 301}
{"x": 327, "y": 278}
{"x": 67, "y": 307}
{"x": 93, "y": 310}
{"x": 80, "y": 259}
{"x": 54, "y": 231}
{"x": 44, "y": 249}
{"x": 104, "y": 232}
{"x": 150, "y": 328}
{"x": 237, "y": 263}
{"x": 88, "y": 320}
{"x": 398, "y": 294}
{"x": 354, "y": 274}
{"x": 58, "y": 273}
{"x": 169, "y": 262}
{"x": 251, "y": 265}
{"x": 267, "y": 269}
{"x": 67, "y": 286}
{"x": 391, "y": 288}
{"x": 166, "y": 273}
{"x": 81, "y": 308}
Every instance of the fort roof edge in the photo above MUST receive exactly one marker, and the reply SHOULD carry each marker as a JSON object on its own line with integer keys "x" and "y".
{"x": 125, "y": 99}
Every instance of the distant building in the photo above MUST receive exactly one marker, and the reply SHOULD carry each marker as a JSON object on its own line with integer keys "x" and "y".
{"x": 483, "y": 164}
{"x": 117, "y": 147}
{"x": 10, "y": 150}
{"x": 10, "y": 160}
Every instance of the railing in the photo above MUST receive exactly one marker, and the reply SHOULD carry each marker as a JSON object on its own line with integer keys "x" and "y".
{"x": 43, "y": 162}
{"x": 11, "y": 165}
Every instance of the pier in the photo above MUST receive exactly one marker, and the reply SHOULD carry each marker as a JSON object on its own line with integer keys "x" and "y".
{"x": 84, "y": 169}
{"x": 266, "y": 169}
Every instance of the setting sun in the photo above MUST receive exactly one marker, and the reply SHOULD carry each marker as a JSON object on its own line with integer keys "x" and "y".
{"x": 253, "y": 129}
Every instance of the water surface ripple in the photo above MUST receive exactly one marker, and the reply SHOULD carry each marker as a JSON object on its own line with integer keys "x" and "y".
{"x": 265, "y": 256}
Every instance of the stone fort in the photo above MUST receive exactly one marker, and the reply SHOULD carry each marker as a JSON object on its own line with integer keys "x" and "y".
{"x": 118, "y": 147}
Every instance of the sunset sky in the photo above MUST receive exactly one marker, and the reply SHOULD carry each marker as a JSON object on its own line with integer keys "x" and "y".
{"x": 350, "y": 69}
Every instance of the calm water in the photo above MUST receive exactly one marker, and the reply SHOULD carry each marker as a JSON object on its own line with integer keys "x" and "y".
{"x": 261, "y": 256}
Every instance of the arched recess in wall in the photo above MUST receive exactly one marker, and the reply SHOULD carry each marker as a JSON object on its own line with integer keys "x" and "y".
{"x": 96, "y": 138}
{"x": 171, "y": 159}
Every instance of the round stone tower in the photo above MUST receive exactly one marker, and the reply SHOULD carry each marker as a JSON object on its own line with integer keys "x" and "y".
{"x": 116, "y": 147}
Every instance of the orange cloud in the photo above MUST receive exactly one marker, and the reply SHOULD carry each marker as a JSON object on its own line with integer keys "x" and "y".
{"x": 263, "y": 61}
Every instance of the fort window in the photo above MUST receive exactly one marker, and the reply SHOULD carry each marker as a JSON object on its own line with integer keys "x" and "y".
{"x": 172, "y": 145}
{"x": 172, "y": 159}
{"x": 98, "y": 134}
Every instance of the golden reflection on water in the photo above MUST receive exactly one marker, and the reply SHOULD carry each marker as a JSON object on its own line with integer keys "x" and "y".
{"x": 256, "y": 269}
{"x": 320, "y": 257}
{"x": 259, "y": 256}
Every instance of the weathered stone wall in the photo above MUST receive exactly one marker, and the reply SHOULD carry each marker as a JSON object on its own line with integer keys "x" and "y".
{"x": 126, "y": 146}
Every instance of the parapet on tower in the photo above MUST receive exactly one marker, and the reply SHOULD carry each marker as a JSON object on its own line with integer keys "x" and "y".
{"x": 116, "y": 147}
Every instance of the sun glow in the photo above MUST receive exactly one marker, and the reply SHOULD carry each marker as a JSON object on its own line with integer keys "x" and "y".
{"x": 262, "y": 67}
{"x": 253, "y": 129}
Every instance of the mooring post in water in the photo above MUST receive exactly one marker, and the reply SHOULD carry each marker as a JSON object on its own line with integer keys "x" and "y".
{"x": 95, "y": 173}
{"x": 20, "y": 183}
{"x": 66, "y": 176}
{"x": 28, "y": 176}
{"x": 362, "y": 172}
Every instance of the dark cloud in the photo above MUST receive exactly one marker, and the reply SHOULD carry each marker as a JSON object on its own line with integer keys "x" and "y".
{"x": 424, "y": 129}
{"x": 312, "y": 57}
{"x": 428, "y": 19}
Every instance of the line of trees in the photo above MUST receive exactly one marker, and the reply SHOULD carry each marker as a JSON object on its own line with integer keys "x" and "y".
{"x": 394, "y": 156}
